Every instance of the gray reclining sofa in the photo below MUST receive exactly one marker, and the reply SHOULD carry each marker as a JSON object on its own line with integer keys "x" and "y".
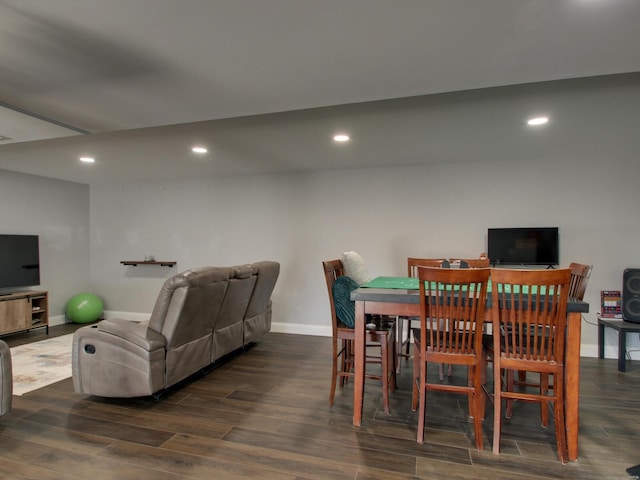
{"x": 200, "y": 316}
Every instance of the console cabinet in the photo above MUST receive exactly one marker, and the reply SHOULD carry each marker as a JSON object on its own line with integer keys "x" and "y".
{"x": 22, "y": 311}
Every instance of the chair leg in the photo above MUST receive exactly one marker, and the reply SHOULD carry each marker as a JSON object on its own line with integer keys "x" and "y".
{"x": 561, "y": 437}
{"x": 483, "y": 382}
{"x": 509, "y": 403}
{"x": 334, "y": 371}
{"x": 407, "y": 352}
{"x": 497, "y": 409}
{"x": 441, "y": 371}
{"x": 384, "y": 351}
{"x": 347, "y": 356}
{"x": 422, "y": 410}
{"x": 477, "y": 401}
{"x": 544, "y": 406}
{"x": 393, "y": 361}
{"x": 399, "y": 336}
{"x": 416, "y": 374}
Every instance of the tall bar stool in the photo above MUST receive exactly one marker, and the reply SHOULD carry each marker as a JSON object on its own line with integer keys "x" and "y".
{"x": 382, "y": 337}
{"x": 452, "y": 308}
{"x": 529, "y": 310}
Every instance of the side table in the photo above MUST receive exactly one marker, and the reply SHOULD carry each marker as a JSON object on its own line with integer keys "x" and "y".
{"x": 622, "y": 327}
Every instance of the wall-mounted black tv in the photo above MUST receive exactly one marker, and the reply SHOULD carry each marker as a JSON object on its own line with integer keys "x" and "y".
{"x": 19, "y": 261}
{"x": 523, "y": 246}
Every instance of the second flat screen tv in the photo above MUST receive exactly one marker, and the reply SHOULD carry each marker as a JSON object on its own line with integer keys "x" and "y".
{"x": 523, "y": 246}
{"x": 19, "y": 261}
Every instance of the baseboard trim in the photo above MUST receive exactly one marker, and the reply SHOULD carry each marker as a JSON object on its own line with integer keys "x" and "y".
{"x": 58, "y": 320}
{"x": 301, "y": 329}
{"x": 586, "y": 350}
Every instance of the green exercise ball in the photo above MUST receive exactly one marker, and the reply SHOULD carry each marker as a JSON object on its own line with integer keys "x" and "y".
{"x": 84, "y": 308}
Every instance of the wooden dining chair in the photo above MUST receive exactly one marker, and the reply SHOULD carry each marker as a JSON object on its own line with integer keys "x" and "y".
{"x": 580, "y": 274}
{"x": 528, "y": 310}
{"x": 452, "y": 309}
{"x": 404, "y": 343}
{"x": 470, "y": 262}
{"x": 414, "y": 263}
{"x": 382, "y": 336}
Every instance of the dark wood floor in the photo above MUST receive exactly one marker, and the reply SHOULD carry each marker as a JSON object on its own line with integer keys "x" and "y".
{"x": 264, "y": 414}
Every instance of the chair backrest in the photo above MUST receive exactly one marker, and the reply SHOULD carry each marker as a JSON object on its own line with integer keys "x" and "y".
{"x": 471, "y": 262}
{"x": 332, "y": 270}
{"x": 580, "y": 274}
{"x": 452, "y": 309}
{"x": 414, "y": 263}
{"x": 529, "y": 309}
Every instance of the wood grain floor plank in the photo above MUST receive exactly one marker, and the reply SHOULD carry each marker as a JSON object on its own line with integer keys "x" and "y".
{"x": 343, "y": 437}
{"x": 273, "y": 459}
{"x": 54, "y": 437}
{"x": 188, "y": 464}
{"x": 180, "y": 424}
{"x": 10, "y": 470}
{"x": 381, "y": 459}
{"x": 225, "y": 413}
{"x": 97, "y": 467}
{"x": 265, "y": 414}
{"x": 119, "y": 431}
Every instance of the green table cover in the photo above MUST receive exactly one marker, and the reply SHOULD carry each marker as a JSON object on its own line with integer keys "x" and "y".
{"x": 409, "y": 283}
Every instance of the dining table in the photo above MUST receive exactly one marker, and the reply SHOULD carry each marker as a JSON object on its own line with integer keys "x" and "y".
{"x": 399, "y": 296}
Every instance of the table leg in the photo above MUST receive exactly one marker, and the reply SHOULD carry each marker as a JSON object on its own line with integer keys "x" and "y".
{"x": 600, "y": 339}
{"x": 572, "y": 382}
{"x": 359, "y": 363}
{"x": 622, "y": 348}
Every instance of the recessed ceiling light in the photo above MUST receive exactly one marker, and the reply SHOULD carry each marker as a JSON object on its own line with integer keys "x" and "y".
{"x": 341, "y": 137}
{"x": 538, "y": 120}
{"x": 87, "y": 159}
{"x": 199, "y": 150}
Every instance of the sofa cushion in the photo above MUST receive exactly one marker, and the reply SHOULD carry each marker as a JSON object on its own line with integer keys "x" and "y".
{"x": 355, "y": 267}
{"x": 345, "y": 308}
{"x": 243, "y": 271}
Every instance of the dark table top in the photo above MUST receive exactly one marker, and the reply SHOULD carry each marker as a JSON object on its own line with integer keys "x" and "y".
{"x": 398, "y": 295}
{"x": 619, "y": 323}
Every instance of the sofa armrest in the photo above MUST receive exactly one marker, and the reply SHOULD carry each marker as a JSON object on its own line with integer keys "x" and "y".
{"x": 137, "y": 333}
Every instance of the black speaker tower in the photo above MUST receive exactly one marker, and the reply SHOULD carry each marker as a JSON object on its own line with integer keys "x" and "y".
{"x": 631, "y": 295}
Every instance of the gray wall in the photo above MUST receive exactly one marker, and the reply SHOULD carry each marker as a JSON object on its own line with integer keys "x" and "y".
{"x": 580, "y": 173}
{"x": 441, "y": 210}
{"x": 58, "y": 212}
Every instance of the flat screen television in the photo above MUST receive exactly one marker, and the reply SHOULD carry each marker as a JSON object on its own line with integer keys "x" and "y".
{"x": 19, "y": 261}
{"x": 523, "y": 246}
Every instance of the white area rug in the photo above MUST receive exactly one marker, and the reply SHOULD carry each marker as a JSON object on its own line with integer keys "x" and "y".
{"x": 39, "y": 364}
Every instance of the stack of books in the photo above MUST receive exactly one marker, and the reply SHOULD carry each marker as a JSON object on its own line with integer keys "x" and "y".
{"x": 611, "y": 304}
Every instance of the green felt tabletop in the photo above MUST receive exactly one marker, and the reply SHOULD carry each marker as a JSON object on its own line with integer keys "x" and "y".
{"x": 409, "y": 283}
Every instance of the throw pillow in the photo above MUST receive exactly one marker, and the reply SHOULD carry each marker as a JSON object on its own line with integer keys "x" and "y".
{"x": 355, "y": 267}
{"x": 345, "y": 308}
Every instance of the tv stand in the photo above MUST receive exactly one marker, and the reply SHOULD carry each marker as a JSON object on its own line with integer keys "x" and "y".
{"x": 24, "y": 311}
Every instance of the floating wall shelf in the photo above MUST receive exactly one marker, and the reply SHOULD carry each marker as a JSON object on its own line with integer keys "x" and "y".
{"x": 135, "y": 263}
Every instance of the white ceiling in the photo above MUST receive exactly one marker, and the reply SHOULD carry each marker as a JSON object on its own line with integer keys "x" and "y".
{"x": 93, "y": 77}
